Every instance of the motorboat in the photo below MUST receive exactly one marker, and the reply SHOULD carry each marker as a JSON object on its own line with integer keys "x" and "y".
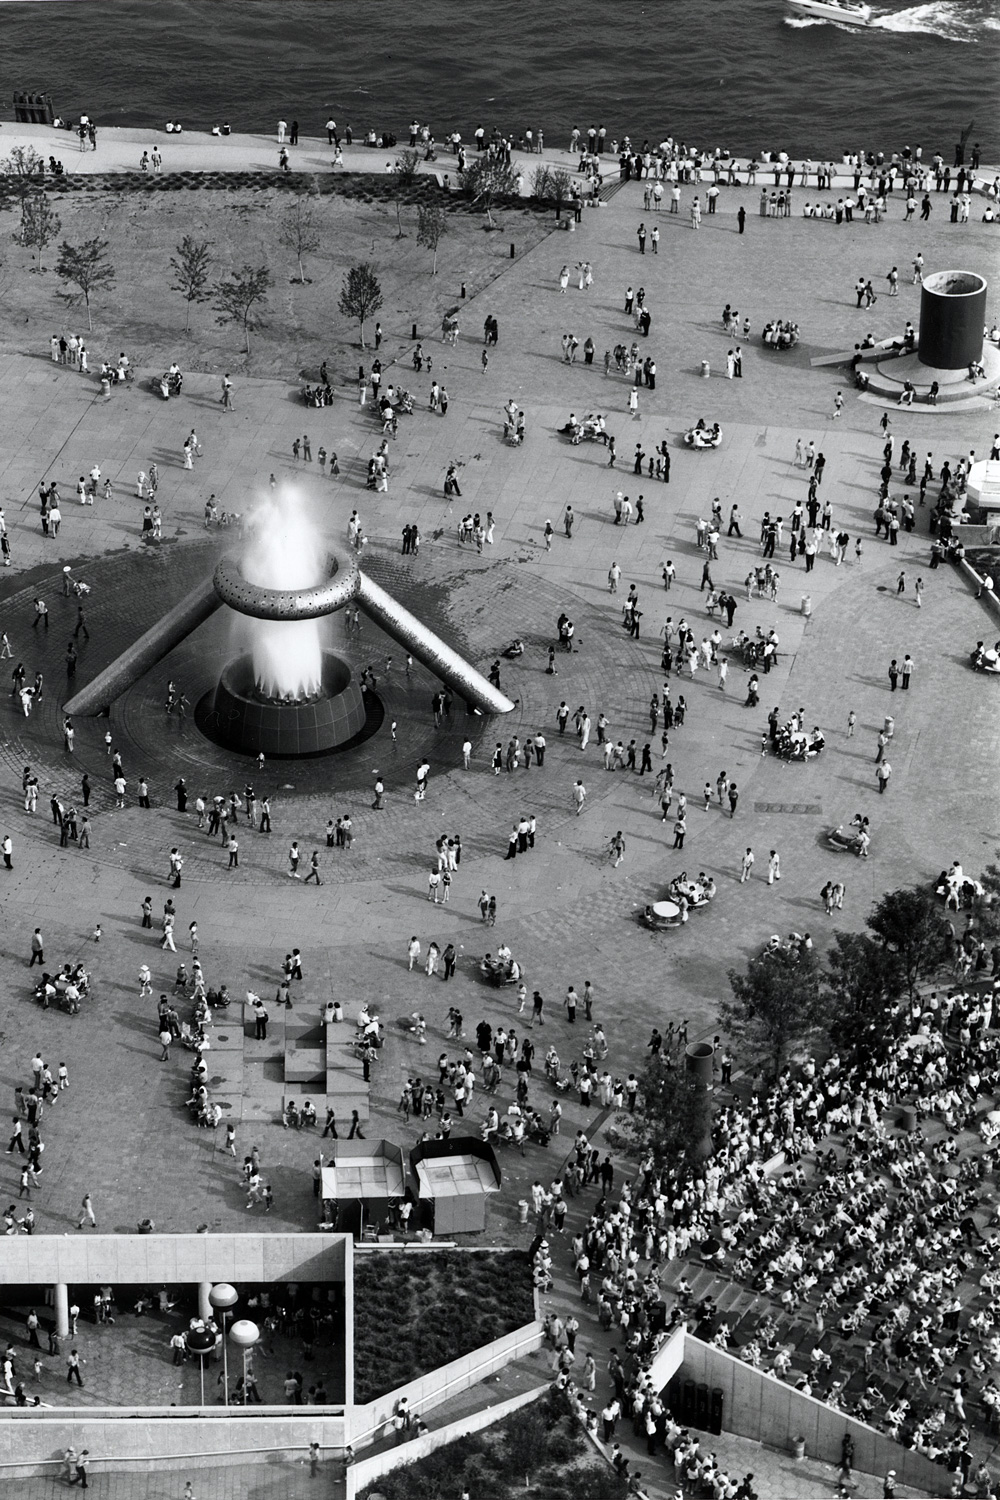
{"x": 833, "y": 10}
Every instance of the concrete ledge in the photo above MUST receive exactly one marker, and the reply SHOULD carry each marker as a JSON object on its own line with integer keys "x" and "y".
{"x": 430, "y": 1390}
{"x": 359, "y": 1475}
{"x": 989, "y": 595}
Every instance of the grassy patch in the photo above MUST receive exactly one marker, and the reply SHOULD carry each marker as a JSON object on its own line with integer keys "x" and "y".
{"x": 539, "y": 1450}
{"x": 414, "y": 1312}
{"x": 145, "y": 217}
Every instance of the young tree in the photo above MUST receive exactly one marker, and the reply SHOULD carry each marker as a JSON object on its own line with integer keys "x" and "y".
{"x": 432, "y": 226}
{"x": 87, "y": 268}
{"x": 191, "y": 266}
{"x": 239, "y": 295}
{"x": 39, "y": 224}
{"x": 300, "y": 233}
{"x": 864, "y": 989}
{"x": 914, "y": 932}
{"x": 487, "y": 181}
{"x": 552, "y": 185}
{"x": 562, "y": 189}
{"x": 775, "y": 1006}
{"x": 668, "y": 1118}
{"x": 404, "y": 171}
{"x": 525, "y": 1441}
{"x": 21, "y": 172}
{"x": 541, "y": 183}
{"x": 986, "y": 908}
{"x": 361, "y": 294}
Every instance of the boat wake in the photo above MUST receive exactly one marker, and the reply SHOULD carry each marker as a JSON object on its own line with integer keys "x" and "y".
{"x": 943, "y": 18}
{"x": 939, "y": 18}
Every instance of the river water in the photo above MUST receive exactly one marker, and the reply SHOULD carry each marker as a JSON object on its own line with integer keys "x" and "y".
{"x": 742, "y": 74}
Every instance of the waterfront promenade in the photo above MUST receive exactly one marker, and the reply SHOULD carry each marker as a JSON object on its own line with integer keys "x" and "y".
{"x": 120, "y": 149}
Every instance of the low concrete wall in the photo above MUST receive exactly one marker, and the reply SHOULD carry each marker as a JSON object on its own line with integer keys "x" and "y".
{"x": 359, "y": 1475}
{"x": 668, "y": 1359}
{"x": 759, "y": 1406}
{"x": 428, "y": 1391}
{"x": 978, "y": 535}
{"x": 135, "y": 1444}
{"x": 158, "y": 1259}
{"x": 989, "y": 595}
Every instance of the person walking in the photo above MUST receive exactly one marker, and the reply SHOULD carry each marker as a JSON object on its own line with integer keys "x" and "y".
{"x": 746, "y": 865}
{"x": 883, "y": 771}
{"x": 579, "y": 796}
{"x": 773, "y": 867}
{"x": 167, "y": 940}
{"x": 313, "y": 869}
{"x": 87, "y": 1216}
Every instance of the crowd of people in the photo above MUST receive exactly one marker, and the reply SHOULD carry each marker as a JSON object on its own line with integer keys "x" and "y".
{"x": 881, "y": 1242}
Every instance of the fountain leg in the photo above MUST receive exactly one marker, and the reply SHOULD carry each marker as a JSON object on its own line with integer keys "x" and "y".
{"x": 126, "y": 670}
{"x": 430, "y": 649}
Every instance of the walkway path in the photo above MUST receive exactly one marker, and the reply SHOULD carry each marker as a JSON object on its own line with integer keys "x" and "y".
{"x": 120, "y": 148}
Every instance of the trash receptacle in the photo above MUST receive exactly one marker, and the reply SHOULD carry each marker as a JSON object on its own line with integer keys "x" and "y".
{"x": 889, "y": 727}
{"x": 571, "y": 226}
{"x": 522, "y": 1211}
{"x": 807, "y": 604}
{"x": 706, "y": 369}
{"x": 798, "y": 1447}
{"x": 908, "y": 1118}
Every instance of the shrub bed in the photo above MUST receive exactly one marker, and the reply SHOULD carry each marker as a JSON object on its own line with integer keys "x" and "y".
{"x": 368, "y": 187}
{"x": 539, "y": 1450}
{"x": 416, "y": 1311}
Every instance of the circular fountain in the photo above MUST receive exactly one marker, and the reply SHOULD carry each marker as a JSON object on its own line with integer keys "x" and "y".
{"x": 245, "y": 718}
{"x": 288, "y": 694}
{"x": 284, "y": 691}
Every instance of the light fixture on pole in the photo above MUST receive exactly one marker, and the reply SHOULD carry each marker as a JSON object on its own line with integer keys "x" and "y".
{"x": 224, "y": 1298}
{"x": 245, "y": 1334}
{"x": 201, "y": 1342}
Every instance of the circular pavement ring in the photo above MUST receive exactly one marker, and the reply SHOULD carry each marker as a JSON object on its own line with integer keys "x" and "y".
{"x": 288, "y": 604}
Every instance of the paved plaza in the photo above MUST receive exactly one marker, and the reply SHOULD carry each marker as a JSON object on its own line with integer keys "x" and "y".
{"x": 121, "y": 1131}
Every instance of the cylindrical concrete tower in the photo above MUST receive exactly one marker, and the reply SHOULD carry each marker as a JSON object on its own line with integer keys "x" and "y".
{"x": 952, "y": 315}
{"x": 698, "y": 1058}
